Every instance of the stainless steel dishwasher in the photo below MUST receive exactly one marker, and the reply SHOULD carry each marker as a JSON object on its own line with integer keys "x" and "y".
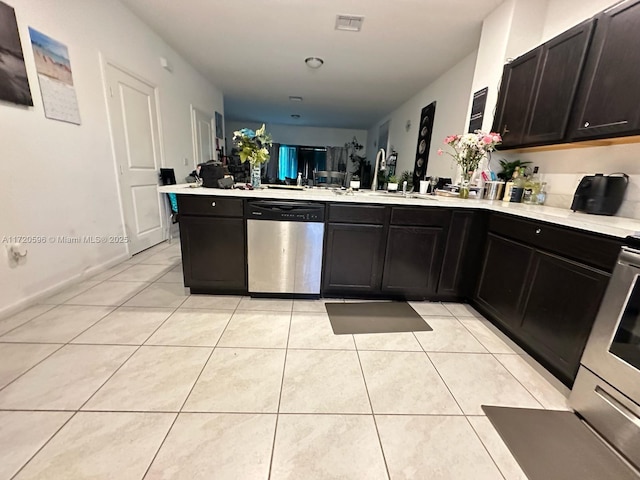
{"x": 284, "y": 246}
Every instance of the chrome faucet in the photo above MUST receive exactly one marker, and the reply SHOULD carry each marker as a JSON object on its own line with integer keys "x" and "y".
{"x": 381, "y": 162}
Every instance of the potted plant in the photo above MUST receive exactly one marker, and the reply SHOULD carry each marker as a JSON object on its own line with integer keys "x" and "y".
{"x": 509, "y": 167}
{"x": 392, "y": 184}
{"x": 468, "y": 150}
{"x": 252, "y": 146}
{"x": 355, "y": 182}
{"x": 407, "y": 176}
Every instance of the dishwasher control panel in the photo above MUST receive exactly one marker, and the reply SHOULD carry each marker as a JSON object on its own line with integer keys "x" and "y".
{"x": 286, "y": 211}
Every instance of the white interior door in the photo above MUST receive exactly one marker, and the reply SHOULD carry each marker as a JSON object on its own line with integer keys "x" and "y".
{"x": 133, "y": 115}
{"x": 203, "y": 147}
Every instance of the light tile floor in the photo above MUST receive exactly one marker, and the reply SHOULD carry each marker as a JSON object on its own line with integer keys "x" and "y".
{"x": 127, "y": 376}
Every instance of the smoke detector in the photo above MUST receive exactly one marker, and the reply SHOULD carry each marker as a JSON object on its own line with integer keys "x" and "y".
{"x": 349, "y": 23}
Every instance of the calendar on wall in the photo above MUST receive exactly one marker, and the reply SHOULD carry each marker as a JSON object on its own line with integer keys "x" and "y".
{"x": 55, "y": 78}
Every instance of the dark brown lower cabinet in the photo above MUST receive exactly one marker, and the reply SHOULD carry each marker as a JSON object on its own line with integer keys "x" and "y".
{"x": 213, "y": 254}
{"x": 353, "y": 258}
{"x": 502, "y": 280}
{"x": 462, "y": 255}
{"x": 546, "y": 302}
{"x": 562, "y": 301}
{"x": 413, "y": 260}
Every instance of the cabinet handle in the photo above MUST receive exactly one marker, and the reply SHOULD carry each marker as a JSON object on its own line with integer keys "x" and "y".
{"x": 505, "y": 130}
{"x": 586, "y": 124}
{"x": 213, "y": 204}
{"x": 538, "y": 231}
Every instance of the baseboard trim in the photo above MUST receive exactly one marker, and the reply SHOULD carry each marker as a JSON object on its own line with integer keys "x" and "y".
{"x": 34, "y": 298}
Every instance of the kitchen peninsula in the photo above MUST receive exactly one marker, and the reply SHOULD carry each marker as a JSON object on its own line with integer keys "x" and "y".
{"x": 539, "y": 273}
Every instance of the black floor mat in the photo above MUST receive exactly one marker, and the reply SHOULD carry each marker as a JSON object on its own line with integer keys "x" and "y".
{"x": 555, "y": 445}
{"x": 374, "y": 317}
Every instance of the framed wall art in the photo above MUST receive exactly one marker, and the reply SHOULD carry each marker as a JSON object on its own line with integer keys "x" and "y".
{"x": 219, "y": 126}
{"x": 425, "y": 130}
{"x": 14, "y": 84}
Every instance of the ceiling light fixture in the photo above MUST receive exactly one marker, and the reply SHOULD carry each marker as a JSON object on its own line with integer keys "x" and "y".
{"x": 295, "y": 115}
{"x": 314, "y": 62}
{"x": 295, "y": 99}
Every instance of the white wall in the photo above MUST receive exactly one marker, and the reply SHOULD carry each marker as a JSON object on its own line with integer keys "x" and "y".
{"x": 301, "y": 135}
{"x": 561, "y": 15}
{"x": 59, "y": 179}
{"x": 451, "y": 91}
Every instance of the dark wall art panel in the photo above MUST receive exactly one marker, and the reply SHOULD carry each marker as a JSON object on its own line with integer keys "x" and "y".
{"x": 425, "y": 130}
{"x": 14, "y": 84}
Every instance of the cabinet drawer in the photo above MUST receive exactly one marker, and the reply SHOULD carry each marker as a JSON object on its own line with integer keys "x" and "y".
{"x": 589, "y": 248}
{"x": 371, "y": 214}
{"x": 420, "y": 217}
{"x": 210, "y": 206}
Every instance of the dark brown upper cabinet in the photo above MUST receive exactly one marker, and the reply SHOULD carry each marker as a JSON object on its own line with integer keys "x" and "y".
{"x": 561, "y": 63}
{"x": 514, "y": 98}
{"x": 538, "y": 90}
{"x": 608, "y": 101}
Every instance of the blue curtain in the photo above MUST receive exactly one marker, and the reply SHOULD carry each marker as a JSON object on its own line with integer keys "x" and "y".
{"x": 287, "y": 162}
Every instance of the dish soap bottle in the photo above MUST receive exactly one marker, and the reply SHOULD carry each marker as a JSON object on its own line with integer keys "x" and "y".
{"x": 299, "y": 181}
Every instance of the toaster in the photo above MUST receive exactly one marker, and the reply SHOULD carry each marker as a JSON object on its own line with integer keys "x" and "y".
{"x": 600, "y": 194}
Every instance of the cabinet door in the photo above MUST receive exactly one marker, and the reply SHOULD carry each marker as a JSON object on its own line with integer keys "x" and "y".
{"x": 213, "y": 254}
{"x": 353, "y": 258}
{"x": 503, "y": 279}
{"x": 515, "y": 97}
{"x": 561, "y": 307}
{"x": 463, "y": 254}
{"x": 561, "y": 64}
{"x": 608, "y": 102}
{"x": 413, "y": 261}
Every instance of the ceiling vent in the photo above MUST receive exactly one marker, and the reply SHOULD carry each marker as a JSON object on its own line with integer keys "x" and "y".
{"x": 349, "y": 23}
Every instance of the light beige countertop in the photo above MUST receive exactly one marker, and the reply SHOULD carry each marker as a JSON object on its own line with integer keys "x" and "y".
{"x": 614, "y": 226}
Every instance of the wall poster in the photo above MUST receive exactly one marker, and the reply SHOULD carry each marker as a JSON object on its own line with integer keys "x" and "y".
{"x": 477, "y": 109}
{"x": 219, "y": 122}
{"x": 56, "y": 81}
{"x": 425, "y": 130}
{"x": 14, "y": 84}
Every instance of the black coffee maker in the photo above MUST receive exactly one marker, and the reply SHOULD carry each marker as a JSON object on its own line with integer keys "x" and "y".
{"x": 600, "y": 194}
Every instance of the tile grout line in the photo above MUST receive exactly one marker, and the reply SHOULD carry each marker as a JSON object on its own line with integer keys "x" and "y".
{"x": 221, "y": 412}
{"x": 493, "y": 354}
{"x": 464, "y": 414}
{"x": 89, "y": 279}
{"x": 62, "y": 345}
{"x": 126, "y": 361}
{"x": 456, "y": 400}
{"x": 186, "y": 398}
{"x": 519, "y": 382}
{"x": 284, "y": 367}
{"x": 68, "y": 342}
{"x": 33, "y": 366}
{"x": 52, "y": 307}
{"x": 486, "y": 449}
{"x": 43, "y": 446}
{"x": 373, "y": 416}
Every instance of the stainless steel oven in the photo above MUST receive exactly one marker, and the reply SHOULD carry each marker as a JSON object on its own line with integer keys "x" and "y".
{"x": 606, "y": 392}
